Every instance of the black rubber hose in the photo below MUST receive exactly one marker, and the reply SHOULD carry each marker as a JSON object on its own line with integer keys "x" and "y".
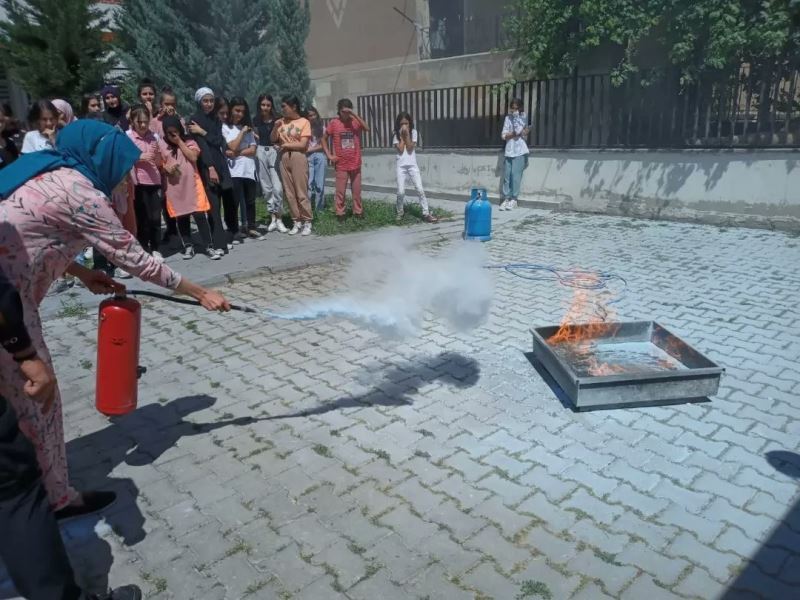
{"x": 246, "y": 309}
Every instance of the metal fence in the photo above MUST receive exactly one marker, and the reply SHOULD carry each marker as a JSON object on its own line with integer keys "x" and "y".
{"x": 745, "y": 109}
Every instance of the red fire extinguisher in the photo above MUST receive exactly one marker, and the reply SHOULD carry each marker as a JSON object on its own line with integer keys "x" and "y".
{"x": 118, "y": 368}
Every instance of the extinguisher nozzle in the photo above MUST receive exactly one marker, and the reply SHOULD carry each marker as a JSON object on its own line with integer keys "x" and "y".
{"x": 140, "y": 370}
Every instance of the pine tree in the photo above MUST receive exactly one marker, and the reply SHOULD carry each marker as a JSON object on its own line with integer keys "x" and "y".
{"x": 291, "y": 20}
{"x": 190, "y": 43}
{"x": 242, "y": 59}
{"x": 55, "y": 48}
{"x": 157, "y": 41}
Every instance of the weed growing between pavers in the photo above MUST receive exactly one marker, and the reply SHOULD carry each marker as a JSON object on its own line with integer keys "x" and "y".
{"x": 534, "y": 589}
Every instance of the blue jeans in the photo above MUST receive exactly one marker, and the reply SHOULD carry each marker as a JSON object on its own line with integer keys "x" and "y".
{"x": 317, "y": 163}
{"x": 512, "y": 176}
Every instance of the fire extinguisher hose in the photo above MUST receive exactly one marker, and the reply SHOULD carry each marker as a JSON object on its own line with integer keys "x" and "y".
{"x": 245, "y": 309}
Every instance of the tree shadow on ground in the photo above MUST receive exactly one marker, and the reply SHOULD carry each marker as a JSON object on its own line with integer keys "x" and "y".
{"x": 759, "y": 579}
{"x": 399, "y": 383}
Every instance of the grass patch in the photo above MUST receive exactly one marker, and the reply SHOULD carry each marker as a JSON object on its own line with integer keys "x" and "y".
{"x": 159, "y": 583}
{"x": 191, "y": 325}
{"x": 86, "y": 364}
{"x": 239, "y": 547}
{"x": 534, "y": 589}
{"x": 322, "y": 450}
{"x": 256, "y": 587}
{"x": 377, "y": 214}
{"x": 72, "y": 309}
{"x": 356, "y": 549}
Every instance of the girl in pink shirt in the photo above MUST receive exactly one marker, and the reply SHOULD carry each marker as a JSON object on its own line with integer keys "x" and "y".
{"x": 184, "y": 191}
{"x": 147, "y": 180}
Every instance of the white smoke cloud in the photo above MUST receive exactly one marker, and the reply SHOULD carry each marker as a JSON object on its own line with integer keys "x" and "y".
{"x": 393, "y": 288}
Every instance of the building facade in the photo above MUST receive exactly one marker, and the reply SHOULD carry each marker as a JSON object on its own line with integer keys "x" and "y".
{"x": 359, "y": 47}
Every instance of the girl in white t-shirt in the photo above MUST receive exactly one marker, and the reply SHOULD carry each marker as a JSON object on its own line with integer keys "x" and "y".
{"x": 241, "y": 153}
{"x": 44, "y": 117}
{"x": 405, "y": 141}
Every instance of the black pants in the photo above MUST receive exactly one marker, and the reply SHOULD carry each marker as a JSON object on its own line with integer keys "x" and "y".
{"x": 172, "y": 223}
{"x": 245, "y": 191}
{"x": 147, "y": 204}
{"x": 203, "y": 228}
{"x": 214, "y": 193}
{"x": 230, "y": 206}
{"x": 30, "y": 544}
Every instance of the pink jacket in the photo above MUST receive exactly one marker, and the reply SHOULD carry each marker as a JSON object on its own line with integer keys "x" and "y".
{"x": 146, "y": 172}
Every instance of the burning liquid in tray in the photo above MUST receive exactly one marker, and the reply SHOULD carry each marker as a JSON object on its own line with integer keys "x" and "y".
{"x": 597, "y": 358}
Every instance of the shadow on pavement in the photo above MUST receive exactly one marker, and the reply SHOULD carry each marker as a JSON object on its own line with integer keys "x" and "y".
{"x": 759, "y": 577}
{"x": 449, "y": 368}
{"x": 137, "y": 439}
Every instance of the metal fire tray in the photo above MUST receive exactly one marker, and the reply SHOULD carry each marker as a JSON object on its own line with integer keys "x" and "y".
{"x": 626, "y": 364}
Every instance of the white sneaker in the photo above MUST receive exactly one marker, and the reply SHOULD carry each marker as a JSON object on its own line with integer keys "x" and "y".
{"x": 273, "y": 226}
{"x": 281, "y": 227}
{"x": 188, "y": 253}
{"x": 504, "y": 205}
{"x": 512, "y": 204}
{"x": 296, "y": 229}
{"x": 120, "y": 274}
{"x": 158, "y": 256}
{"x": 214, "y": 254}
{"x": 306, "y": 228}
{"x": 230, "y": 247}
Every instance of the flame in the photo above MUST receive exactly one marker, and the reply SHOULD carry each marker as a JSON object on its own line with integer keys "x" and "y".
{"x": 583, "y": 324}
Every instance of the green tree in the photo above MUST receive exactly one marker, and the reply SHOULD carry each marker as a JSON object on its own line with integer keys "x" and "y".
{"x": 697, "y": 38}
{"x": 190, "y": 43}
{"x": 291, "y": 21}
{"x": 55, "y": 48}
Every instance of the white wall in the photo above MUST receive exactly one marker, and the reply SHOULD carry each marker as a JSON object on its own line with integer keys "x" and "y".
{"x": 755, "y": 188}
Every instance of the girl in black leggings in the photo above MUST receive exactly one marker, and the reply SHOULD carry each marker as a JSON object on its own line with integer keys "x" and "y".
{"x": 147, "y": 180}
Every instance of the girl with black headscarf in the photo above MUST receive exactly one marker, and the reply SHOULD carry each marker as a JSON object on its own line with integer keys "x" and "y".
{"x": 206, "y": 129}
{"x": 116, "y": 112}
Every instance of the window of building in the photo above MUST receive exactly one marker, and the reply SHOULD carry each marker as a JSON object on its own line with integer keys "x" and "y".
{"x": 459, "y": 27}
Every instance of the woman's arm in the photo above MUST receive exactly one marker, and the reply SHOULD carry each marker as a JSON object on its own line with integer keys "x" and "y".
{"x": 249, "y": 151}
{"x": 300, "y": 146}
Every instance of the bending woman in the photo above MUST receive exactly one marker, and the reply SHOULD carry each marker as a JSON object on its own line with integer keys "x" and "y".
{"x": 55, "y": 203}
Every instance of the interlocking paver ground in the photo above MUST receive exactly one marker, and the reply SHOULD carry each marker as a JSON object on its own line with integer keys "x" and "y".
{"x": 275, "y": 459}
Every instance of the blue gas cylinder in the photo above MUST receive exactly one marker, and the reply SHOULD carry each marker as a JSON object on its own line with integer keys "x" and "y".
{"x": 478, "y": 216}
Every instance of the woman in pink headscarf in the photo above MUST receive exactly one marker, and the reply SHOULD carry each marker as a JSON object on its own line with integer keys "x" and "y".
{"x": 65, "y": 113}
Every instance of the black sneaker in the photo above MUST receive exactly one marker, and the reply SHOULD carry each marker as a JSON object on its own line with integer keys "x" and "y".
{"x": 92, "y": 502}
{"x": 239, "y": 238}
{"x": 126, "y": 592}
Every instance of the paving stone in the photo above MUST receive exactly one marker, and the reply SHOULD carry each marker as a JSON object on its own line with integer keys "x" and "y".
{"x": 459, "y": 524}
{"x": 614, "y": 578}
{"x": 597, "y": 510}
{"x": 666, "y": 570}
{"x": 717, "y": 563}
{"x": 490, "y": 583}
{"x": 645, "y": 587}
{"x": 555, "y": 517}
{"x": 434, "y": 584}
{"x": 401, "y": 562}
{"x": 464, "y": 494}
{"x": 452, "y": 556}
{"x": 346, "y": 558}
{"x": 642, "y": 503}
{"x": 699, "y": 584}
{"x": 290, "y": 569}
{"x": 378, "y": 586}
{"x": 510, "y": 522}
{"x": 492, "y": 544}
{"x": 554, "y": 488}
